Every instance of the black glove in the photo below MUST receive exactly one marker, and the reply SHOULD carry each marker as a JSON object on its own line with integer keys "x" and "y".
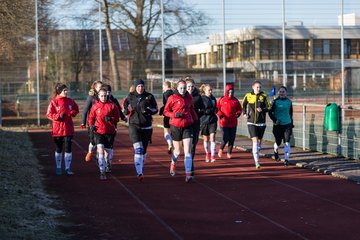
{"x": 161, "y": 112}
{"x": 107, "y": 118}
{"x": 178, "y": 115}
{"x": 92, "y": 128}
{"x": 147, "y": 111}
{"x": 62, "y": 115}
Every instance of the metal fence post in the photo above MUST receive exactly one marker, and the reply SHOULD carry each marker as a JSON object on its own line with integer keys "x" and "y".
{"x": 304, "y": 126}
{"x": 0, "y": 113}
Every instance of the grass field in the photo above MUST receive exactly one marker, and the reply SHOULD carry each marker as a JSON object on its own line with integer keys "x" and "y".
{"x": 26, "y": 210}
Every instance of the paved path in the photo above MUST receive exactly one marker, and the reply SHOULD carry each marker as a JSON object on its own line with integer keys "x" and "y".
{"x": 317, "y": 161}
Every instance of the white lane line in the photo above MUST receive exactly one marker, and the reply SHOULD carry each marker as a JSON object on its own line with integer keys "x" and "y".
{"x": 314, "y": 195}
{"x": 148, "y": 209}
{"x": 251, "y": 210}
{"x": 242, "y": 205}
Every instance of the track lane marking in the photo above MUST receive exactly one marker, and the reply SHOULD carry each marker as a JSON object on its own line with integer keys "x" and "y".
{"x": 139, "y": 201}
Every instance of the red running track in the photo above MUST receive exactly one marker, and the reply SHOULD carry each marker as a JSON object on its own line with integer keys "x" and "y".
{"x": 229, "y": 199}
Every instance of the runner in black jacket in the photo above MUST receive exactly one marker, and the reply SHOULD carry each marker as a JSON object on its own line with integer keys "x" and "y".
{"x": 140, "y": 105}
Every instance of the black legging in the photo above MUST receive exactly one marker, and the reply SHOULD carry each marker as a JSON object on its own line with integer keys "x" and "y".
{"x": 228, "y": 136}
{"x": 282, "y": 132}
{"x": 195, "y": 140}
{"x": 59, "y": 141}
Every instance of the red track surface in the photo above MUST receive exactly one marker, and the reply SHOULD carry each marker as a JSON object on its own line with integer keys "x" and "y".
{"x": 229, "y": 199}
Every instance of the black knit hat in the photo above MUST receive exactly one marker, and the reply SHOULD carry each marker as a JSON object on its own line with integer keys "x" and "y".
{"x": 60, "y": 88}
{"x": 139, "y": 82}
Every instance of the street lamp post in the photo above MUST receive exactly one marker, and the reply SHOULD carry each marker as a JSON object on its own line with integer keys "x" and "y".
{"x": 283, "y": 44}
{"x": 223, "y": 44}
{"x": 100, "y": 44}
{"x": 37, "y": 62}
{"x": 162, "y": 43}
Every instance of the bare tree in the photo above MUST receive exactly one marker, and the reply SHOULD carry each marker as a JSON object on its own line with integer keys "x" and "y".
{"x": 17, "y": 21}
{"x": 141, "y": 19}
{"x": 112, "y": 53}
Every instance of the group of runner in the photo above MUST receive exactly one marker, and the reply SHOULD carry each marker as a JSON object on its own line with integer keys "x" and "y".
{"x": 187, "y": 112}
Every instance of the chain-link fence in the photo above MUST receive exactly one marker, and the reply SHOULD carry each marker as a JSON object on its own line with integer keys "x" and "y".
{"x": 314, "y": 50}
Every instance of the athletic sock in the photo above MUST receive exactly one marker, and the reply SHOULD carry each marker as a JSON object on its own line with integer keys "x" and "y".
{"x": 213, "y": 148}
{"x": 67, "y": 158}
{"x": 255, "y": 151}
{"x": 168, "y": 139}
{"x": 58, "y": 159}
{"x": 206, "y": 146}
{"x": 287, "y": 151}
{"x": 276, "y": 148}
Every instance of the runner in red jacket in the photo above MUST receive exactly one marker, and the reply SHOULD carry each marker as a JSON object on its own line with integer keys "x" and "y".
{"x": 229, "y": 109}
{"x": 60, "y": 111}
{"x": 180, "y": 109}
{"x": 103, "y": 118}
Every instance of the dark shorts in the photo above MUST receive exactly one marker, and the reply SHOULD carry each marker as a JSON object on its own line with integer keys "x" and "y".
{"x": 106, "y": 140}
{"x": 140, "y": 135}
{"x": 282, "y": 132}
{"x": 166, "y": 121}
{"x": 178, "y": 134}
{"x": 207, "y": 129}
{"x": 256, "y": 131}
{"x": 59, "y": 141}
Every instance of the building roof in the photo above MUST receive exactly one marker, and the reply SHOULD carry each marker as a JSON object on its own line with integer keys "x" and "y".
{"x": 291, "y": 32}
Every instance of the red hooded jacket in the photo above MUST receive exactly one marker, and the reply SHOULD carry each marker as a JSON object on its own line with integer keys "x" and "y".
{"x": 177, "y": 103}
{"x": 229, "y": 109}
{"x": 104, "y": 117}
{"x": 61, "y": 110}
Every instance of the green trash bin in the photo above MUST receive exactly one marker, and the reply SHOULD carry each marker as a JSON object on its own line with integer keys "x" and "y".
{"x": 332, "y": 117}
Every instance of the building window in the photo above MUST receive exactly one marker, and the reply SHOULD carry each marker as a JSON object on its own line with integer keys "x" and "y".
{"x": 192, "y": 60}
{"x": 296, "y": 49}
{"x": 232, "y": 52}
{"x": 354, "y": 48}
{"x": 326, "y": 47}
{"x": 270, "y": 49}
{"x": 249, "y": 50}
{"x": 318, "y": 49}
{"x": 335, "y": 48}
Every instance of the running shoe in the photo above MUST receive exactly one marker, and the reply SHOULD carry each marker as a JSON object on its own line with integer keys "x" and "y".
{"x": 102, "y": 176}
{"x": 170, "y": 150}
{"x": 257, "y": 165}
{"x": 276, "y": 156}
{"x": 220, "y": 152}
{"x": 140, "y": 178}
{"x": 88, "y": 157}
{"x": 286, "y": 162}
{"x": 213, "y": 159}
{"x": 108, "y": 168}
{"x": 207, "y": 157}
{"x": 188, "y": 178}
{"x": 172, "y": 169}
{"x": 58, "y": 171}
{"x": 68, "y": 172}
{"x": 228, "y": 155}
